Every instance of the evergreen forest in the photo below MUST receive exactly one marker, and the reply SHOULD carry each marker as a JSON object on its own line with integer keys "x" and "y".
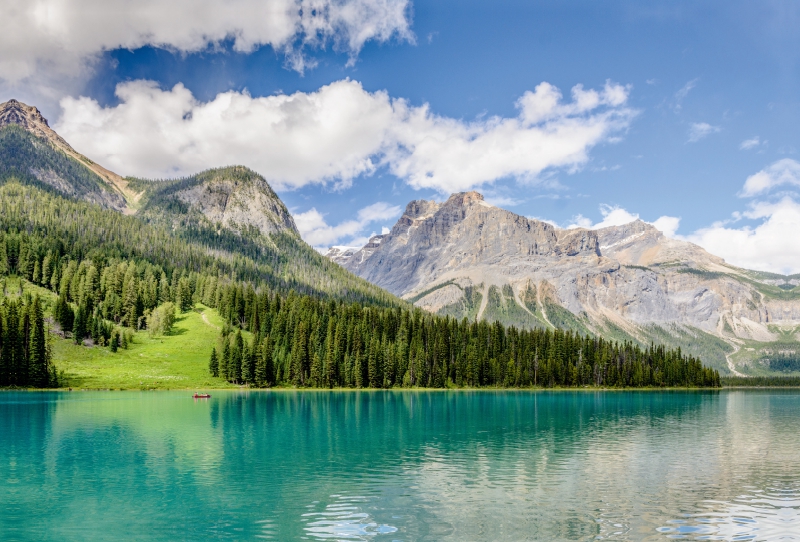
{"x": 25, "y": 354}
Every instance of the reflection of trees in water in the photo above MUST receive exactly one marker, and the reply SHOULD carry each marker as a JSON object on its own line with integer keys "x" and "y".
{"x": 457, "y": 465}
{"x": 461, "y": 451}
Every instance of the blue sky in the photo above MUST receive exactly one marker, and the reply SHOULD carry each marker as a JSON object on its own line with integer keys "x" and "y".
{"x": 709, "y": 99}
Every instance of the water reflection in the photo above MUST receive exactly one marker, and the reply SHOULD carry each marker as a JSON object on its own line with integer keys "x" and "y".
{"x": 401, "y": 465}
{"x": 770, "y": 514}
{"x": 343, "y": 519}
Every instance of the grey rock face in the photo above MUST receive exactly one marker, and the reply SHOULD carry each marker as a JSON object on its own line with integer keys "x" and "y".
{"x": 237, "y": 197}
{"x": 628, "y": 276}
{"x": 341, "y": 254}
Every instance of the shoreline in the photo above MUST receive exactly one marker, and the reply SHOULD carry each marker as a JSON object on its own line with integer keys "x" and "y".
{"x": 377, "y": 390}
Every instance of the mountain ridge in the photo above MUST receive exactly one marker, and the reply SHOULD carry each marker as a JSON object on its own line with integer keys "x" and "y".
{"x": 465, "y": 257}
{"x": 230, "y": 212}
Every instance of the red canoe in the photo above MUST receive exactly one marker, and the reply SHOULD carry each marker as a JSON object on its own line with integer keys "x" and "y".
{"x": 201, "y": 395}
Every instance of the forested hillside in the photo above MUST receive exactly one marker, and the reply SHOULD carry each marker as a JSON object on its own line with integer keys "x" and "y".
{"x": 32, "y": 160}
{"x": 49, "y": 230}
{"x": 229, "y": 215}
{"x": 112, "y": 272}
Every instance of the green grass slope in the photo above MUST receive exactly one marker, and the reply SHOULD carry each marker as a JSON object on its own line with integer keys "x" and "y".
{"x": 178, "y": 360}
{"x": 175, "y": 361}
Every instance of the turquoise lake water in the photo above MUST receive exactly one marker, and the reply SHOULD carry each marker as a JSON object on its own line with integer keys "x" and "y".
{"x": 390, "y": 466}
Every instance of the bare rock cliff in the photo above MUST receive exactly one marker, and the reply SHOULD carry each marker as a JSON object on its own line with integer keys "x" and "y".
{"x": 237, "y": 197}
{"x": 465, "y": 257}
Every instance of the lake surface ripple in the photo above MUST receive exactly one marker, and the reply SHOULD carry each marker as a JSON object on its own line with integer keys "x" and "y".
{"x": 510, "y": 465}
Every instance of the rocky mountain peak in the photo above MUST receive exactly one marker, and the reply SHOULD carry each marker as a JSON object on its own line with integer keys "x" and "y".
{"x": 16, "y": 112}
{"x": 28, "y": 117}
{"x": 235, "y": 197}
{"x": 464, "y": 199}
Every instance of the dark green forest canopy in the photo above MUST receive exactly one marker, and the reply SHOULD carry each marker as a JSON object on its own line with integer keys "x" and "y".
{"x": 47, "y": 223}
{"x": 304, "y": 341}
{"x": 25, "y": 355}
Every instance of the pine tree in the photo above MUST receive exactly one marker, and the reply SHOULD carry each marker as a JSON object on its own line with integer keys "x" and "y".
{"x": 213, "y": 364}
{"x": 79, "y": 326}
{"x": 299, "y": 355}
{"x": 235, "y": 362}
{"x": 315, "y": 377}
{"x": 114, "y": 344}
{"x": 331, "y": 368}
{"x": 374, "y": 364}
{"x": 247, "y": 369}
{"x": 130, "y": 298}
{"x": 224, "y": 361}
{"x": 13, "y": 343}
{"x": 5, "y": 345}
{"x": 38, "y": 373}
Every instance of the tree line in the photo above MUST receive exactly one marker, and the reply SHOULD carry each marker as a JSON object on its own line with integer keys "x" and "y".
{"x": 25, "y": 355}
{"x": 760, "y": 381}
{"x": 302, "y": 341}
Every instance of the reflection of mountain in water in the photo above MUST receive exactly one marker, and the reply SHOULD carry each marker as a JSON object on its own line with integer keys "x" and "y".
{"x": 432, "y": 465}
{"x": 772, "y": 513}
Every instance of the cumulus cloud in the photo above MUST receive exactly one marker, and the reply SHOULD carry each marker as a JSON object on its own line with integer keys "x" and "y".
{"x": 700, "y": 130}
{"x": 772, "y": 245}
{"x": 47, "y": 41}
{"x": 292, "y": 139}
{"x": 321, "y": 235}
{"x": 617, "y": 216}
{"x": 339, "y": 132}
{"x": 782, "y": 172}
{"x": 769, "y": 242}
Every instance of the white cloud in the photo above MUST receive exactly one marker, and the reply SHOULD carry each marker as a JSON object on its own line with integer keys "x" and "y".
{"x": 293, "y": 140}
{"x": 450, "y": 155}
{"x": 668, "y": 225}
{"x": 700, "y": 130}
{"x": 45, "y": 42}
{"x": 617, "y": 216}
{"x": 319, "y": 234}
{"x": 748, "y": 144}
{"x": 339, "y": 132}
{"x": 685, "y": 89}
{"x": 771, "y": 246}
{"x": 682, "y": 93}
{"x": 782, "y": 172}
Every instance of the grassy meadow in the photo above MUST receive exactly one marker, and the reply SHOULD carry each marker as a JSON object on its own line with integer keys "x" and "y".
{"x": 178, "y": 360}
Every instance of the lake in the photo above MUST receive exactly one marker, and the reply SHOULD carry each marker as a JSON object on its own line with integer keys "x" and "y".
{"x": 400, "y": 465}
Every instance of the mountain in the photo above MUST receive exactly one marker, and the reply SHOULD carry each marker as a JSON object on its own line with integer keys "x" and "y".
{"x": 467, "y": 258}
{"x": 32, "y": 152}
{"x": 227, "y": 212}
